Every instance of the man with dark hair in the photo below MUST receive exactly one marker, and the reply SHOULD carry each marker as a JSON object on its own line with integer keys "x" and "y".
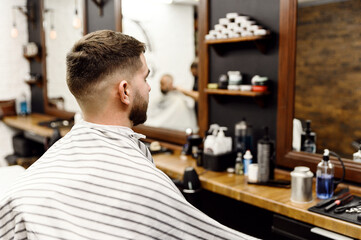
{"x": 99, "y": 181}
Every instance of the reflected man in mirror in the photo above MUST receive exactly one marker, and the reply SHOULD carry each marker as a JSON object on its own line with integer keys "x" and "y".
{"x": 99, "y": 181}
{"x": 171, "y": 109}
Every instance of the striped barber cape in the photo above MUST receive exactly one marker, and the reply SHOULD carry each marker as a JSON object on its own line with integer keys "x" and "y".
{"x": 95, "y": 183}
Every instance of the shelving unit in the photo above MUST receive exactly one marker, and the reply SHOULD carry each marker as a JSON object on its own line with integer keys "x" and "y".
{"x": 259, "y": 41}
{"x": 223, "y": 49}
{"x": 235, "y": 92}
{"x": 239, "y": 39}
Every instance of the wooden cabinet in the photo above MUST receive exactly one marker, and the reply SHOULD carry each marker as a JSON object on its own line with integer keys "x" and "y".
{"x": 246, "y": 54}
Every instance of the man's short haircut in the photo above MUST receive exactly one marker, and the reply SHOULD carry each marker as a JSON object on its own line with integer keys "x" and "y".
{"x": 99, "y": 54}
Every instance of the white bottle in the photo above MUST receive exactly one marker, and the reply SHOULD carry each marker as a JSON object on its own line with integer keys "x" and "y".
{"x": 357, "y": 155}
{"x": 210, "y": 139}
{"x": 247, "y": 160}
{"x": 222, "y": 144}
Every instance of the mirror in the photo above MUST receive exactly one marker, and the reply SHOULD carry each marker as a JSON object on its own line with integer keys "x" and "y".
{"x": 169, "y": 32}
{"x": 328, "y": 73}
{"x": 62, "y": 24}
{"x": 287, "y": 90}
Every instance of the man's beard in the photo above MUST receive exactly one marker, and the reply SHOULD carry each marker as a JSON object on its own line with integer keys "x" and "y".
{"x": 138, "y": 113}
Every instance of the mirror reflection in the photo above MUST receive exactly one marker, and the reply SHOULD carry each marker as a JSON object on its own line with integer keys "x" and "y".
{"x": 62, "y": 26}
{"x": 169, "y": 32}
{"x": 328, "y": 76}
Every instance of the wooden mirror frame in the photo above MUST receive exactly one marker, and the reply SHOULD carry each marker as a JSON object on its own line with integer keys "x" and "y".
{"x": 285, "y": 156}
{"x": 160, "y": 134}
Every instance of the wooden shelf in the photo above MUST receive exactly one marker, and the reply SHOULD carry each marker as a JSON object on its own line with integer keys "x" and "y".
{"x": 235, "y": 92}
{"x": 239, "y": 39}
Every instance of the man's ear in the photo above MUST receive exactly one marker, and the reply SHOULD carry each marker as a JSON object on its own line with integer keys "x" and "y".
{"x": 124, "y": 91}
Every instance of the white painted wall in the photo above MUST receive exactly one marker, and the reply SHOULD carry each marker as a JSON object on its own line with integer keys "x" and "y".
{"x": 13, "y": 66}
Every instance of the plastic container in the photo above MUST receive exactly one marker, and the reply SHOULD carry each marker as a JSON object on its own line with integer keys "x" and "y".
{"x": 247, "y": 160}
{"x": 219, "y": 163}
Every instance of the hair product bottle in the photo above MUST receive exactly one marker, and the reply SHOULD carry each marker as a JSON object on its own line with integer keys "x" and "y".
{"x": 324, "y": 174}
{"x": 247, "y": 160}
{"x": 239, "y": 164}
{"x": 243, "y": 136}
{"x": 264, "y": 158}
{"x": 308, "y": 139}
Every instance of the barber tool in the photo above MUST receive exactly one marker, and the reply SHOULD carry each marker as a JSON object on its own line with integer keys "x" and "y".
{"x": 349, "y": 206}
{"x": 342, "y": 193}
{"x": 339, "y": 202}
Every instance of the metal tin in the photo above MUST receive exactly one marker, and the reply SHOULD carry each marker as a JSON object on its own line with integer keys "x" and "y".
{"x": 301, "y": 184}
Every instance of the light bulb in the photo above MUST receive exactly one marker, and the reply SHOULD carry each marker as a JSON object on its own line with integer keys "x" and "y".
{"x": 52, "y": 34}
{"x": 76, "y": 22}
{"x": 14, "y": 32}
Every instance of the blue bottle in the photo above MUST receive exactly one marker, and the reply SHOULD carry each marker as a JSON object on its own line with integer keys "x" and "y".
{"x": 247, "y": 160}
{"x": 324, "y": 177}
{"x": 23, "y": 105}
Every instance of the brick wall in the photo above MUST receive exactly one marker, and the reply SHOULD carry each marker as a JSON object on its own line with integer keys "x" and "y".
{"x": 328, "y": 73}
{"x": 13, "y": 66}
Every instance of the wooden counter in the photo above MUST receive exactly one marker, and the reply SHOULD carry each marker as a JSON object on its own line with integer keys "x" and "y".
{"x": 30, "y": 123}
{"x": 270, "y": 198}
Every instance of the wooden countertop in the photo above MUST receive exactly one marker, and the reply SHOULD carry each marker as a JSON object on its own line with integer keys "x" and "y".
{"x": 271, "y": 198}
{"x": 30, "y": 123}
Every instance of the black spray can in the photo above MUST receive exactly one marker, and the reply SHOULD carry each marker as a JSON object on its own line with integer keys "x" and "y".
{"x": 265, "y": 152}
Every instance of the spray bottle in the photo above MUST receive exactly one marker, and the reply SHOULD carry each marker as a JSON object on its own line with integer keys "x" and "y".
{"x": 325, "y": 174}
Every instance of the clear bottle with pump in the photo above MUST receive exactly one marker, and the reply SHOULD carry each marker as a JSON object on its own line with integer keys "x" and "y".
{"x": 222, "y": 144}
{"x": 243, "y": 136}
{"x": 239, "y": 164}
{"x": 308, "y": 139}
{"x": 210, "y": 139}
{"x": 247, "y": 160}
{"x": 325, "y": 177}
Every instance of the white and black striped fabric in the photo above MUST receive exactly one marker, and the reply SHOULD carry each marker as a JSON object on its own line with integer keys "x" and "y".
{"x": 95, "y": 183}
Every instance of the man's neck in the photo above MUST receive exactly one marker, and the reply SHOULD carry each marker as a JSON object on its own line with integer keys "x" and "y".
{"x": 109, "y": 119}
